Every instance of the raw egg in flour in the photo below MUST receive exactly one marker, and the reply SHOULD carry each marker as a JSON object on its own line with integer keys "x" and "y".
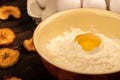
{"x": 84, "y": 51}
{"x": 88, "y": 41}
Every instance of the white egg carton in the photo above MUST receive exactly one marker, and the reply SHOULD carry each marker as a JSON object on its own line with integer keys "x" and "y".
{"x": 41, "y": 9}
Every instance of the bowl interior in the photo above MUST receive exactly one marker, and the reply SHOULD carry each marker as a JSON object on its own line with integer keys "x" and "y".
{"x": 98, "y": 20}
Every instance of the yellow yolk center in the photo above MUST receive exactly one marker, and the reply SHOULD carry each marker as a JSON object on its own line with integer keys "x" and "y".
{"x": 88, "y": 41}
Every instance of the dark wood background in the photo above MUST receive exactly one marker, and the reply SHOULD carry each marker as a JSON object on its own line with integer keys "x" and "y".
{"x": 29, "y": 66}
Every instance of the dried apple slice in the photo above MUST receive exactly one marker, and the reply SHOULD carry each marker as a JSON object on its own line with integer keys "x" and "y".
{"x": 28, "y": 44}
{"x": 8, "y": 77}
{"x": 6, "y": 11}
{"x": 8, "y": 57}
{"x": 7, "y": 36}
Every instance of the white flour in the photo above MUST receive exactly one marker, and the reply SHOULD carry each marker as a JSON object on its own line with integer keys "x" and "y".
{"x": 66, "y": 53}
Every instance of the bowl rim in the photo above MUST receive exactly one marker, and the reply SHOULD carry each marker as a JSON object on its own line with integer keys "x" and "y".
{"x": 47, "y": 20}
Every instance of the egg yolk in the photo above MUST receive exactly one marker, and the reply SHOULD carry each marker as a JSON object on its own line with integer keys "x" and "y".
{"x": 88, "y": 41}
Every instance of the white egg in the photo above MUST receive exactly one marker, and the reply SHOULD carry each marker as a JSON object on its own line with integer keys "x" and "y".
{"x": 50, "y": 9}
{"x": 68, "y": 4}
{"x": 101, "y": 4}
{"x": 115, "y": 5}
{"x": 33, "y": 9}
{"x": 42, "y": 3}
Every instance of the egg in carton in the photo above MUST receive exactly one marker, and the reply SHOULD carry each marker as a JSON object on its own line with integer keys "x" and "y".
{"x": 41, "y": 9}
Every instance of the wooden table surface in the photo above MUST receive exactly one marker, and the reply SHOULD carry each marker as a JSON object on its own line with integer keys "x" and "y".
{"x": 29, "y": 66}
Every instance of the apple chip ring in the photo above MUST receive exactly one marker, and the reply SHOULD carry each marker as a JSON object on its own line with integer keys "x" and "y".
{"x": 28, "y": 45}
{"x": 6, "y": 11}
{"x": 8, "y": 57}
{"x": 7, "y": 36}
{"x": 9, "y": 77}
